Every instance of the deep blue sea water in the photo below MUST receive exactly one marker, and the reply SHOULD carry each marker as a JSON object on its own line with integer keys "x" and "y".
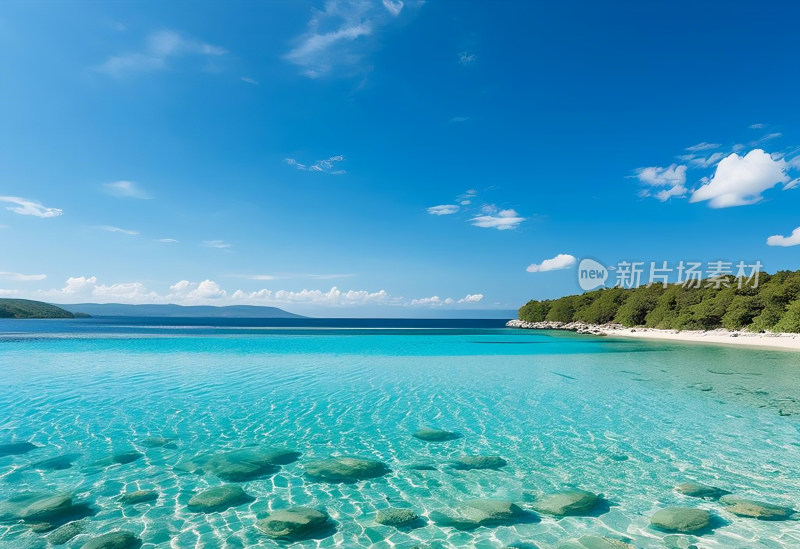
{"x": 625, "y": 418}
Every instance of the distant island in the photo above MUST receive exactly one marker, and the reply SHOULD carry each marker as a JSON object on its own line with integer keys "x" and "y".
{"x": 179, "y": 311}
{"x": 26, "y": 308}
{"x": 771, "y": 306}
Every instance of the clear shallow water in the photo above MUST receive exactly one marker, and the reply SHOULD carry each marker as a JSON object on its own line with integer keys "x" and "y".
{"x": 629, "y": 419}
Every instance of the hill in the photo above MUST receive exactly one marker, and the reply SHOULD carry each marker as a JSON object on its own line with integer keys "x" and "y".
{"x": 179, "y": 311}
{"x": 26, "y": 308}
{"x": 771, "y": 306}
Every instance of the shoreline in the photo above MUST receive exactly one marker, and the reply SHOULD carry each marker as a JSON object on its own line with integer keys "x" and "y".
{"x": 782, "y": 341}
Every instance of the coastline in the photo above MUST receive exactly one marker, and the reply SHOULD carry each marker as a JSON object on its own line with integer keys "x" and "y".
{"x": 782, "y": 341}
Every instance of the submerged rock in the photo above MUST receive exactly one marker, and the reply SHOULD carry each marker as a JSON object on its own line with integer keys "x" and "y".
{"x": 679, "y": 542}
{"x": 43, "y": 507}
{"x": 218, "y": 498}
{"x": 597, "y": 542}
{"x": 58, "y": 463}
{"x": 422, "y": 467}
{"x": 465, "y": 463}
{"x": 345, "y": 469}
{"x": 65, "y": 533}
{"x": 159, "y": 442}
{"x": 755, "y": 509}
{"x": 294, "y": 524}
{"x": 398, "y": 518}
{"x": 249, "y": 463}
{"x": 480, "y": 512}
{"x": 429, "y": 434}
{"x": 114, "y": 540}
{"x": 119, "y": 458}
{"x": 681, "y": 519}
{"x": 566, "y": 502}
{"x": 698, "y": 490}
{"x": 139, "y": 496}
{"x": 16, "y": 448}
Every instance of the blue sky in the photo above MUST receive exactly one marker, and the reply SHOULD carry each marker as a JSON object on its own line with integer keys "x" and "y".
{"x": 387, "y": 158}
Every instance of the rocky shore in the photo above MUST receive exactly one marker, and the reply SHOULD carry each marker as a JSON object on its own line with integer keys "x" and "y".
{"x": 782, "y": 341}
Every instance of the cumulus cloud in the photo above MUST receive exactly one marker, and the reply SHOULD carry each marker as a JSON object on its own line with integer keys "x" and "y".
{"x": 112, "y": 229}
{"x": 29, "y": 207}
{"x": 125, "y": 189}
{"x": 444, "y": 209}
{"x": 779, "y": 240}
{"x": 501, "y": 220}
{"x": 159, "y": 48}
{"x": 741, "y": 180}
{"x": 19, "y": 277}
{"x": 327, "y": 165}
{"x": 186, "y": 292}
{"x": 561, "y": 261}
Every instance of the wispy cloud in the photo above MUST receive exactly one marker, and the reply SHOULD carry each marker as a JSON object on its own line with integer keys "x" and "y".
{"x": 703, "y": 147}
{"x": 457, "y": 119}
{"x": 502, "y": 220}
{"x": 337, "y": 37}
{"x": 19, "y": 277}
{"x": 159, "y": 48}
{"x": 323, "y": 166}
{"x": 443, "y": 209}
{"x": 757, "y": 126}
{"x": 561, "y": 261}
{"x": 112, "y": 229}
{"x": 465, "y": 58}
{"x": 126, "y": 189}
{"x": 247, "y": 80}
{"x": 167, "y": 240}
{"x": 220, "y": 244}
{"x": 25, "y": 206}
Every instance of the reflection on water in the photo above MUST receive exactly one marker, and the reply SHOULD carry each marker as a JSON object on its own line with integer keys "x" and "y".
{"x": 122, "y": 433}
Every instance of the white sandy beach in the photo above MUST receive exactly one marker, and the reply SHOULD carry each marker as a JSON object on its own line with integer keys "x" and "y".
{"x": 789, "y": 342}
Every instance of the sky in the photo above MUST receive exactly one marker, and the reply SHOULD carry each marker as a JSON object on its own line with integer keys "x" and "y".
{"x": 388, "y": 158}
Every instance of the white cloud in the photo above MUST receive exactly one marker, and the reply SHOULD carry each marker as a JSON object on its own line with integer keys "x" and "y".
{"x": 159, "y": 47}
{"x": 185, "y": 292}
{"x": 5, "y": 292}
{"x": 703, "y": 147}
{"x": 220, "y": 244}
{"x": 112, "y": 229}
{"x": 323, "y": 166}
{"x": 443, "y": 209}
{"x": 700, "y": 162}
{"x": 29, "y": 207}
{"x": 501, "y": 220}
{"x": 465, "y": 58}
{"x": 757, "y": 126}
{"x": 19, "y": 277}
{"x": 791, "y": 240}
{"x": 249, "y": 80}
{"x": 125, "y": 189}
{"x": 673, "y": 175}
{"x": 393, "y": 7}
{"x": 740, "y": 180}
{"x": 678, "y": 191}
{"x": 332, "y": 39}
{"x": 167, "y": 240}
{"x": 561, "y": 261}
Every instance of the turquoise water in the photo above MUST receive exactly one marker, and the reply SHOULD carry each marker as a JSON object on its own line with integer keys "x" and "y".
{"x": 628, "y": 419}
